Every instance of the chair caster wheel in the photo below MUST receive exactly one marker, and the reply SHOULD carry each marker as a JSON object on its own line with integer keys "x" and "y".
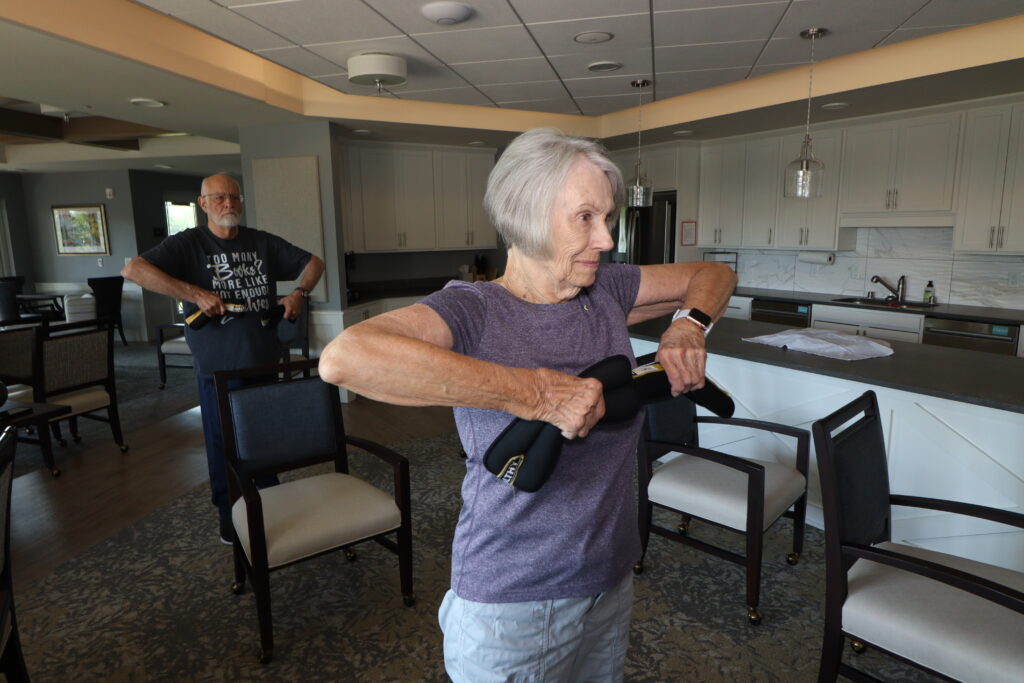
{"x": 753, "y": 616}
{"x": 350, "y": 555}
{"x": 683, "y": 529}
{"x": 858, "y": 646}
{"x": 264, "y": 656}
{"x": 237, "y": 587}
{"x": 124, "y": 448}
{"x": 160, "y": 387}
{"x": 638, "y": 568}
{"x": 792, "y": 558}
{"x": 408, "y": 600}
{"x": 55, "y": 472}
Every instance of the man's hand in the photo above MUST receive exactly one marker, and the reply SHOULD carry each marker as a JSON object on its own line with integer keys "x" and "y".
{"x": 208, "y": 302}
{"x": 683, "y": 355}
{"x": 293, "y": 304}
{"x": 572, "y": 404}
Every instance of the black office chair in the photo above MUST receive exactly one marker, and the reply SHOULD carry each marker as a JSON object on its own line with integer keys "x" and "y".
{"x": 287, "y": 425}
{"x": 12, "y": 660}
{"x": 107, "y": 291}
{"x": 728, "y": 491}
{"x": 953, "y": 617}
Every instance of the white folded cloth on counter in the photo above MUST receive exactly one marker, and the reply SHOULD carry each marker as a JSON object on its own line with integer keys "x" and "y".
{"x": 827, "y": 343}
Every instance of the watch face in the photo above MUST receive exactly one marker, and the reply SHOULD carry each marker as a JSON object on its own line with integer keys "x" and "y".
{"x": 700, "y": 316}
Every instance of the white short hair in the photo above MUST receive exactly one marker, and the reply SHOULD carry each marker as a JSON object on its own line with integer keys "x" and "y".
{"x": 530, "y": 173}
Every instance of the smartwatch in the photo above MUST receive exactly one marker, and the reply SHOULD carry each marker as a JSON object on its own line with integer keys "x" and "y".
{"x": 304, "y": 292}
{"x": 697, "y": 317}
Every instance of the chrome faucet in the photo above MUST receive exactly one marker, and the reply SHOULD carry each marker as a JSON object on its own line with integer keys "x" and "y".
{"x": 898, "y": 292}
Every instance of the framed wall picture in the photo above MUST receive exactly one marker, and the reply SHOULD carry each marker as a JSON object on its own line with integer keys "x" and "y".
{"x": 688, "y": 233}
{"x": 81, "y": 229}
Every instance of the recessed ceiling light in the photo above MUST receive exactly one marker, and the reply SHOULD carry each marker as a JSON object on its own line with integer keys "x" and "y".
{"x": 832, "y": 106}
{"x": 147, "y": 102}
{"x": 682, "y": 133}
{"x": 476, "y": 143}
{"x": 446, "y": 13}
{"x": 591, "y": 37}
{"x": 162, "y": 166}
{"x": 360, "y": 131}
{"x": 604, "y": 66}
{"x": 172, "y": 134}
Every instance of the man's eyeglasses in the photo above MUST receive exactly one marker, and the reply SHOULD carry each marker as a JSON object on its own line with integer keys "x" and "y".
{"x": 221, "y": 197}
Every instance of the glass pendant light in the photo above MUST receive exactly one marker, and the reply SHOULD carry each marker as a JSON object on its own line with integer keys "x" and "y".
{"x": 805, "y": 174}
{"x": 639, "y": 194}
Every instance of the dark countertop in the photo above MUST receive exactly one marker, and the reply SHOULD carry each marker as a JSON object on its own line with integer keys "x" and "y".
{"x": 984, "y": 379}
{"x": 999, "y": 316}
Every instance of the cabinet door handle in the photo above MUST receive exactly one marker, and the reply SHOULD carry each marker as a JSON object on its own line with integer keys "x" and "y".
{"x": 888, "y": 198}
{"x": 769, "y": 236}
{"x": 992, "y": 237}
{"x": 896, "y": 198}
{"x": 999, "y": 240}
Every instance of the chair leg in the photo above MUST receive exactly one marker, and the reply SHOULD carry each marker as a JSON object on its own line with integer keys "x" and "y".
{"x": 55, "y": 428}
{"x": 73, "y": 428}
{"x": 831, "y": 654}
{"x": 239, "y": 584}
{"x": 115, "y": 426}
{"x": 161, "y": 363}
{"x": 46, "y": 446}
{"x": 799, "y": 519}
{"x": 405, "y": 565}
{"x": 120, "y": 329}
{"x": 261, "y": 589}
{"x": 755, "y": 541}
{"x": 12, "y": 660}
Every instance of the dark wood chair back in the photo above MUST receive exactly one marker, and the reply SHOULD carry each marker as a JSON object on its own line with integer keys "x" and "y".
{"x": 107, "y": 291}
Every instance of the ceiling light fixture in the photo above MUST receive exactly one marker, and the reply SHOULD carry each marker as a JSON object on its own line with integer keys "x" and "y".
{"x": 593, "y": 37}
{"x": 804, "y": 174}
{"x": 446, "y": 13}
{"x": 377, "y": 68}
{"x": 476, "y": 143}
{"x": 148, "y": 102}
{"x": 603, "y": 66}
{"x": 361, "y": 131}
{"x": 835, "y": 106}
{"x": 164, "y": 166}
{"x": 639, "y": 193}
{"x": 682, "y": 133}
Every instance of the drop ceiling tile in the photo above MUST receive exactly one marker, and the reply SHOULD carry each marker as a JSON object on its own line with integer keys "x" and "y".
{"x": 480, "y": 45}
{"x": 869, "y": 15}
{"x": 606, "y": 85}
{"x": 561, "y": 105}
{"x": 517, "y": 92}
{"x": 762, "y": 69}
{"x": 301, "y": 60}
{"x": 533, "y": 11}
{"x": 717, "y": 24}
{"x": 957, "y": 12}
{"x": 637, "y": 60}
{"x": 176, "y": 7}
{"x": 595, "y": 106}
{"x": 786, "y": 50}
{"x": 319, "y": 21}
{"x": 506, "y": 71}
{"x": 911, "y": 33}
{"x": 664, "y": 5}
{"x": 682, "y": 82}
{"x": 407, "y": 16}
{"x": 708, "y": 56}
{"x": 630, "y": 31}
{"x": 449, "y": 95}
{"x": 233, "y": 28}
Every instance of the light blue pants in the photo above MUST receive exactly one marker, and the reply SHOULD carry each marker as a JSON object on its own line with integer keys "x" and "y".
{"x": 570, "y": 640}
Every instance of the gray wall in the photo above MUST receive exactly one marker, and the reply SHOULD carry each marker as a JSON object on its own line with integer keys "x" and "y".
{"x": 13, "y": 196}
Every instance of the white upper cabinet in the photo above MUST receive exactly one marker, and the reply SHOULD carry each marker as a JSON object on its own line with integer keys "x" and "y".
{"x": 414, "y": 199}
{"x": 478, "y": 168}
{"x": 813, "y": 223}
{"x": 761, "y": 190}
{"x": 722, "y": 167}
{"x": 990, "y": 215}
{"x": 452, "y": 213}
{"x": 377, "y": 179}
{"x": 659, "y": 165}
{"x": 900, "y": 173}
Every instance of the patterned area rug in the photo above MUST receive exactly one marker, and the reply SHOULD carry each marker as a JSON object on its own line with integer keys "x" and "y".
{"x": 153, "y": 603}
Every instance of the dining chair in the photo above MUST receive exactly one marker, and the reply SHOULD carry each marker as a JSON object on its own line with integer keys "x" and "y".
{"x": 107, "y": 291}
{"x": 170, "y": 341}
{"x": 951, "y": 616}
{"x": 290, "y": 425}
{"x": 294, "y": 336}
{"x": 12, "y": 659}
{"x": 727, "y": 491}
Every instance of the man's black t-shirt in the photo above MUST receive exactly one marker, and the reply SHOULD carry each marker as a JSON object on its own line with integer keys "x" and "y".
{"x": 244, "y": 271}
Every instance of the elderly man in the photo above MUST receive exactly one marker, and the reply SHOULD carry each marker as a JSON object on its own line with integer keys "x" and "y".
{"x": 229, "y": 272}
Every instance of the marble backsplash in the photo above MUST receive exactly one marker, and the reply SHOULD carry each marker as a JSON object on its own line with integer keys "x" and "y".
{"x": 922, "y": 254}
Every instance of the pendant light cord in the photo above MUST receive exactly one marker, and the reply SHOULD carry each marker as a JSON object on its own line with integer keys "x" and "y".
{"x": 810, "y": 86}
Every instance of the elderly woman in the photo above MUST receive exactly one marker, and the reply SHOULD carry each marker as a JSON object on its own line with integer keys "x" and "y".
{"x": 541, "y": 585}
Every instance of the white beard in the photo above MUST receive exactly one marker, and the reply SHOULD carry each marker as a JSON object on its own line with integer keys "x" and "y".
{"x": 228, "y": 220}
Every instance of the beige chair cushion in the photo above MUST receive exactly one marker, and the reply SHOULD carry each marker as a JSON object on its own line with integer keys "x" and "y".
{"x": 719, "y": 494}
{"x": 308, "y": 516}
{"x": 178, "y": 345}
{"x": 941, "y": 627}
{"x": 81, "y": 401}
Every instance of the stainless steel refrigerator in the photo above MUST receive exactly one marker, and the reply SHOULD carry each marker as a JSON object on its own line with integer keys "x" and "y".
{"x": 646, "y": 235}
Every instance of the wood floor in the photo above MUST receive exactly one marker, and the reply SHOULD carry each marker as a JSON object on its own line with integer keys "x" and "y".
{"x": 103, "y": 490}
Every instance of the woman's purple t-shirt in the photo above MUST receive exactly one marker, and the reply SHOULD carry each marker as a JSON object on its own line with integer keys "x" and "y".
{"x": 577, "y": 535}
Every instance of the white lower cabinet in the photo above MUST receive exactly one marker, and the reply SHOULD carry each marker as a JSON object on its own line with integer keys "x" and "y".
{"x": 890, "y": 325}
{"x": 738, "y": 307}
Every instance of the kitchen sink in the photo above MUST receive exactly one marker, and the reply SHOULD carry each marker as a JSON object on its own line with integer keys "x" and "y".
{"x": 882, "y": 303}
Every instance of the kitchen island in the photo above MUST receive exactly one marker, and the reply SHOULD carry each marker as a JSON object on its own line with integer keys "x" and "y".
{"x": 954, "y": 424}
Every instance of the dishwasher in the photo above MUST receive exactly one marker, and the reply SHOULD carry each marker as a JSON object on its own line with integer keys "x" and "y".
{"x": 781, "y": 312}
{"x": 967, "y": 334}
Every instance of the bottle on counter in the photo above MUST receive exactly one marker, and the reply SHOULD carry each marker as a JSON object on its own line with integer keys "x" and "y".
{"x": 929, "y": 292}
